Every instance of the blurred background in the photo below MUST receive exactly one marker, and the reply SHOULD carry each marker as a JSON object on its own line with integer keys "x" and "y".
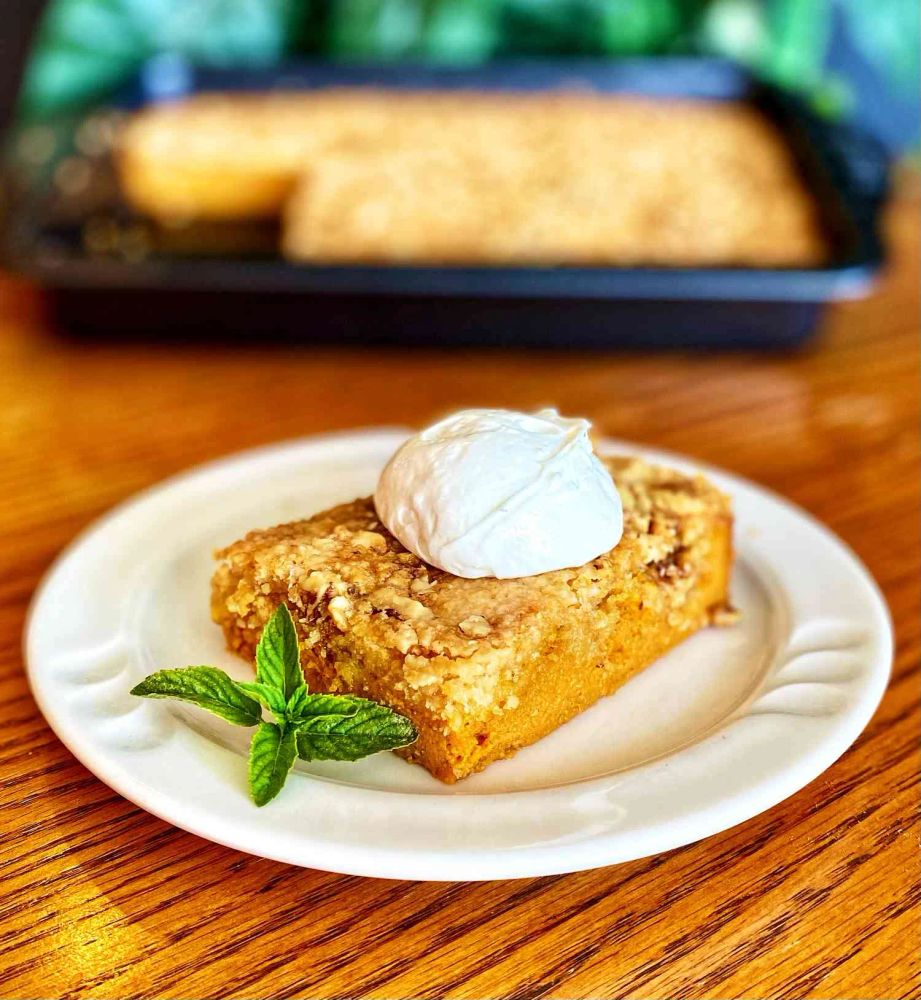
{"x": 838, "y": 78}
{"x": 849, "y": 58}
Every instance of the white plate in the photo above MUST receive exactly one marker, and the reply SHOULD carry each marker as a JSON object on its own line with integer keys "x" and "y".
{"x": 722, "y": 728}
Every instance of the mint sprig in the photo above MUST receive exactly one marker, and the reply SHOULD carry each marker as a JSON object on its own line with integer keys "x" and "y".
{"x": 309, "y": 726}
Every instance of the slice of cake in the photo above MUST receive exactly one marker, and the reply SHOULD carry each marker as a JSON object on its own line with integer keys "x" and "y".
{"x": 483, "y": 667}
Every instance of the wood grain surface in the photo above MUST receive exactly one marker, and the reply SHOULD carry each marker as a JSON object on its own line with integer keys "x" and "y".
{"x": 817, "y": 898}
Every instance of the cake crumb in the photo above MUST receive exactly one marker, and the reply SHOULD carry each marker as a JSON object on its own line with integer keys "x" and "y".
{"x": 476, "y": 626}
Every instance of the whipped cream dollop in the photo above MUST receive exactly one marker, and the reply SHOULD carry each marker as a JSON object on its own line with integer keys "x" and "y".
{"x": 502, "y": 494}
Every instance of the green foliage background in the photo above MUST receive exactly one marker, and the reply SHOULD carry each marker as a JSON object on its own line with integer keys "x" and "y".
{"x": 85, "y": 48}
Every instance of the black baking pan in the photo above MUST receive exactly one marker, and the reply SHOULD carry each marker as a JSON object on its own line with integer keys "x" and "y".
{"x": 231, "y": 283}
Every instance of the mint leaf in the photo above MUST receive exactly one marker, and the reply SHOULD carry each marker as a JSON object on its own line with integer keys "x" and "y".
{"x": 278, "y": 662}
{"x": 206, "y": 687}
{"x": 271, "y": 755}
{"x": 265, "y": 695}
{"x": 372, "y": 727}
{"x": 296, "y": 702}
{"x": 304, "y": 706}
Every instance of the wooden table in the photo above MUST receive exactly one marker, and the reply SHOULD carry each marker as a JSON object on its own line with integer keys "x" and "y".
{"x": 817, "y": 898}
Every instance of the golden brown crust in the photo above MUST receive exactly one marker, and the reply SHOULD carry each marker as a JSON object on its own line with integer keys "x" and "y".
{"x": 492, "y": 178}
{"x": 483, "y": 667}
{"x": 586, "y": 181}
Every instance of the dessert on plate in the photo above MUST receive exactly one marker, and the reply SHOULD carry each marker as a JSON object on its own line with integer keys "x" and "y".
{"x": 502, "y": 579}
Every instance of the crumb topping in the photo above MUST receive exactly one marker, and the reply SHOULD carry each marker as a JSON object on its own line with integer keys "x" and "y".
{"x": 348, "y": 580}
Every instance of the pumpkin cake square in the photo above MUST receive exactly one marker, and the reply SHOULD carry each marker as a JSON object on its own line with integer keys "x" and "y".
{"x": 483, "y": 667}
